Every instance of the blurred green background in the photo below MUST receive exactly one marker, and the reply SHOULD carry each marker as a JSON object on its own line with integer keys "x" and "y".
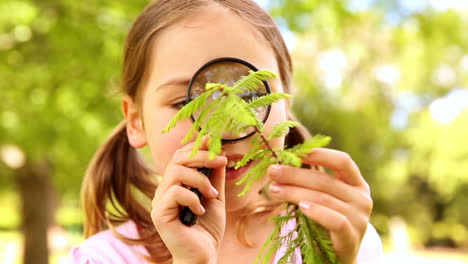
{"x": 386, "y": 79}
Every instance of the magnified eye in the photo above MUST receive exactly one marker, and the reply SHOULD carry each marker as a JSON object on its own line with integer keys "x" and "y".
{"x": 250, "y": 96}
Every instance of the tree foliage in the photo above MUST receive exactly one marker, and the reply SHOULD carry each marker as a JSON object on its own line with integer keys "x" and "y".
{"x": 388, "y": 84}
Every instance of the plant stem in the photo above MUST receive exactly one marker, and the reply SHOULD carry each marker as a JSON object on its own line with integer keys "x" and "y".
{"x": 266, "y": 142}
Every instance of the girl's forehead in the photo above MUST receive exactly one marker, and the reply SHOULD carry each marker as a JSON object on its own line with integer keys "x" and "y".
{"x": 182, "y": 48}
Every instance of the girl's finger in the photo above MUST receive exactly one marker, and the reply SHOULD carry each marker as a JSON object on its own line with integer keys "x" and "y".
{"x": 338, "y": 161}
{"x": 312, "y": 179}
{"x": 294, "y": 194}
{"x": 170, "y": 202}
{"x": 184, "y": 176}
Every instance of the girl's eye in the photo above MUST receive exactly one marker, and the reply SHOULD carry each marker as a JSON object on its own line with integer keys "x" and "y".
{"x": 179, "y": 105}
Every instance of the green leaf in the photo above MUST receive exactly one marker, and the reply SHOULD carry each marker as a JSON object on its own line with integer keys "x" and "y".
{"x": 252, "y": 81}
{"x": 281, "y": 129}
{"x": 288, "y": 158}
{"x": 199, "y": 121}
{"x": 216, "y": 86}
{"x": 252, "y": 155}
{"x": 255, "y": 173}
{"x": 266, "y": 100}
{"x": 188, "y": 110}
{"x": 305, "y": 148}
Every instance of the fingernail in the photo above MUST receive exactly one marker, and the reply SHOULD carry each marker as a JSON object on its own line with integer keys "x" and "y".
{"x": 304, "y": 205}
{"x": 202, "y": 209}
{"x": 221, "y": 159}
{"x": 274, "y": 171}
{"x": 274, "y": 188}
{"x": 214, "y": 191}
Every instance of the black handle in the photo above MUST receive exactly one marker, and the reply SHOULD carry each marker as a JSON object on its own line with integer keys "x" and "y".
{"x": 187, "y": 217}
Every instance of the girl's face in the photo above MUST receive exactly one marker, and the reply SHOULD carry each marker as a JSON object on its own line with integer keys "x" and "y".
{"x": 177, "y": 53}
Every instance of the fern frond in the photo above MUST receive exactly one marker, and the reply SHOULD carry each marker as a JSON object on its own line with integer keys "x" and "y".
{"x": 217, "y": 86}
{"x": 323, "y": 242}
{"x": 281, "y": 129}
{"x": 252, "y": 81}
{"x": 266, "y": 100}
{"x": 290, "y": 256}
{"x": 305, "y": 148}
{"x": 198, "y": 142}
{"x": 243, "y": 117}
{"x": 187, "y": 110}
{"x": 288, "y": 158}
{"x": 200, "y": 120}
{"x": 248, "y": 157}
{"x": 214, "y": 147}
{"x": 316, "y": 246}
{"x": 308, "y": 246}
{"x": 254, "y": 174}
{"x": 271, "y": 245}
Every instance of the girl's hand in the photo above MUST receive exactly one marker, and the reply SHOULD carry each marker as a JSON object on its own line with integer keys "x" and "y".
{"x": 340, "y": 203}
{"x": 197, "y": 243}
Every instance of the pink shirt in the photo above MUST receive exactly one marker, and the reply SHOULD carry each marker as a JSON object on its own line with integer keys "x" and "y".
{"x": 104, "y": 247}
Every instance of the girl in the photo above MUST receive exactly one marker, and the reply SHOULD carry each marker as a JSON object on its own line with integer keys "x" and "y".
{"x": 167, "y": 43}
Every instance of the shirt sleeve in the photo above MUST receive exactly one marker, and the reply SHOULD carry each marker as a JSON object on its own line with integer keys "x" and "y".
{"x": 104, "y": 248}
{"x": 79, "y": 256}
{"x": 371, "y": 250}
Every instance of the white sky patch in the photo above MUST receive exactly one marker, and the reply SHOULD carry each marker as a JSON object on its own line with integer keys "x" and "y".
{"x": 443, "y": 5}
{"x": 445, "y": 75}
{"x": 359, "y": 5}
{"x": 333, "y": 64}
{"x": 446, "y": 109}
{"x": 387, "y": 74}
{"x": 406, "y": 103}
{"x": 413, "y": 6}
{"x": 263, "y": 3}
{"x": 289, "y": 38}
{"x": 399, "y": 119}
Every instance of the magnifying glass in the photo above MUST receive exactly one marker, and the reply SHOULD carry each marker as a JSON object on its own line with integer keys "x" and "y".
{"x": 226, "y": 70}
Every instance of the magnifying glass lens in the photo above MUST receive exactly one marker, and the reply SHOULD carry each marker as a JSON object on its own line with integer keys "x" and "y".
{"x": 228, "y": 73}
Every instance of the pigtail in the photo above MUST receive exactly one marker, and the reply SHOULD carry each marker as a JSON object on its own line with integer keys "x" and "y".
{"x": 107, "y": 196}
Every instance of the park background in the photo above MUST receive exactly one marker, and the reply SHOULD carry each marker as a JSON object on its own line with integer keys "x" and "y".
{"x": 386, "y": 79}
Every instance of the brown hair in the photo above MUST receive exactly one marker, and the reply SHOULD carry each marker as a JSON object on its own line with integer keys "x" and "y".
{"x": 117, "y": 181}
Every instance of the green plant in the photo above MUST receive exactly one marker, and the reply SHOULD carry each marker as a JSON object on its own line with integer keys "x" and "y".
{"x": 229, "y": 113}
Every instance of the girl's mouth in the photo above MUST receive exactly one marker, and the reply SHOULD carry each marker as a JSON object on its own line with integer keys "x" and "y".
{"x": 233, "y": 174}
